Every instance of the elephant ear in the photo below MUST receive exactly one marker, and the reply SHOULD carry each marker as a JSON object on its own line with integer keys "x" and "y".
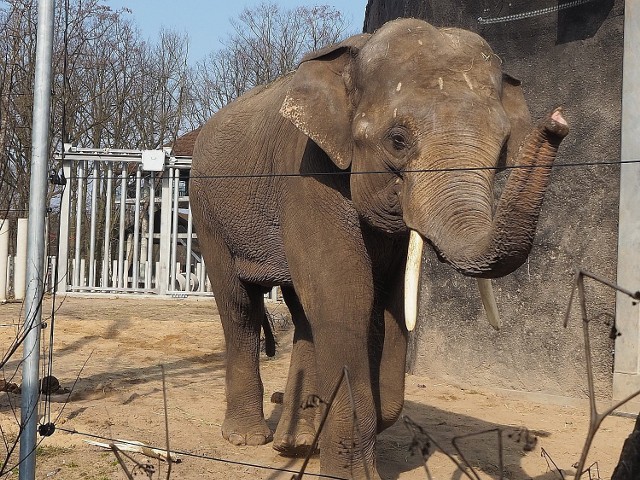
{"x": 319, "y": 99}
{"x": 516, "y": 107}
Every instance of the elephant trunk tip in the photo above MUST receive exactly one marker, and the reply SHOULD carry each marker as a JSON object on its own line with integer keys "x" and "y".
{"x": 556, "y": 123}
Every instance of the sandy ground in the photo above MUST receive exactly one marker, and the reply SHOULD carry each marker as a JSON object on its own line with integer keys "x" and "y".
{"x": 113, "y": 349}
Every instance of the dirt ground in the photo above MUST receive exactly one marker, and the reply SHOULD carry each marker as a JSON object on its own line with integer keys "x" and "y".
{"x": 109, "y": 352}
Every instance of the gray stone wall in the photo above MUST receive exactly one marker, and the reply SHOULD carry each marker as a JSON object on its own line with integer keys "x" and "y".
{"x": 570, "y": 57}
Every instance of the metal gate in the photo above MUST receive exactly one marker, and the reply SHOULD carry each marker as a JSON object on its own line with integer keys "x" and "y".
{"x": 126, "y": 225}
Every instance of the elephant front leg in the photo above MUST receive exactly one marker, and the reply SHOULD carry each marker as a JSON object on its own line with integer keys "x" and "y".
{"x": 296, "y": 428}
{"x": 241, "y": 309}
{"x": 340, "y": 319}
{"x": 393, "y": 359}
{"x": 348, "y": 439}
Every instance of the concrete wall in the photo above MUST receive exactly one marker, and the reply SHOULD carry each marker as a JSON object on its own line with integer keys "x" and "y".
{"x": 571, "y": 57}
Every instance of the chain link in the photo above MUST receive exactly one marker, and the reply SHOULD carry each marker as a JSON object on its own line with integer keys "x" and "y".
{"x": 533, "y": 13}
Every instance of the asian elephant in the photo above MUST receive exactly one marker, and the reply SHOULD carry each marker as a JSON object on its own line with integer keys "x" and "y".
{"x": 317, "y": 181}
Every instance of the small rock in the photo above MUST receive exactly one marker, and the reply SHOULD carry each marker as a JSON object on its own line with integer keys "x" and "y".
{"x": 49, "y": 385}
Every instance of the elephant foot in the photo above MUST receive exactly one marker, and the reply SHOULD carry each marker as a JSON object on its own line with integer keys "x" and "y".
{"x": 240, "y": 434}
{"x": 296, "y": 443}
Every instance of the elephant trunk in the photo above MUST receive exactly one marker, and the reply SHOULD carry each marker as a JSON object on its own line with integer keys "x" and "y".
{"x": 464, "y": 232}
{"x": 506, "y": 245}
{"x": 466, "y": 235}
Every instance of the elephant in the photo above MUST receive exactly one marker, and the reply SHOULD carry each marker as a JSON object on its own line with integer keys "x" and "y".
{"x": 328, "y": 182}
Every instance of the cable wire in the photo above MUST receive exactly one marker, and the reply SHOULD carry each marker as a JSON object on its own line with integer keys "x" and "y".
{"x": 382, "y": 172}
{"x": 46, "y": 426}
{"x": 198, "y": 455}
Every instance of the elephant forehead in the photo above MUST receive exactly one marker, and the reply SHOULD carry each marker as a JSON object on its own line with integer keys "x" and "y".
{"x": 407, "y": 81}
{"x": 428, "y": 59}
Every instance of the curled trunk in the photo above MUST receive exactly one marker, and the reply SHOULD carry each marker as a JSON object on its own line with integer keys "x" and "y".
{"x": 507, "y": 243}
{"x": 492, "y": 247}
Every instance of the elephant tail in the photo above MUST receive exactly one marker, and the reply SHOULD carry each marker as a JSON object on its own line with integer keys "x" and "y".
{"x": 269, "y": 339}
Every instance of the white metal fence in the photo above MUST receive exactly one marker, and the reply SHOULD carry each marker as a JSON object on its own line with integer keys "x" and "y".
{"x": 13, "y": 267}
{"x": 126, "y": 225}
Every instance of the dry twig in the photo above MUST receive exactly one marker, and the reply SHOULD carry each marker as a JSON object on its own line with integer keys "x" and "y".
{"x": 595, "y": 418}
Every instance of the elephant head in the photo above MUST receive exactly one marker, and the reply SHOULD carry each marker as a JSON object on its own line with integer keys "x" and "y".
{"x": 423, "y": 117}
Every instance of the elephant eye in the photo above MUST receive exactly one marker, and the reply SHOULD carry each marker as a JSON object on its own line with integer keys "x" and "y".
{"x": 398, "y": 141}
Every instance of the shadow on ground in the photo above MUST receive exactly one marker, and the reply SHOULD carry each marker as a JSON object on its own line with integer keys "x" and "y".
{"x": 399, "y": 447}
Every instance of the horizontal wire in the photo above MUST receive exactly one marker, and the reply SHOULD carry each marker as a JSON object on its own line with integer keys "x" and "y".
{"x": 197, "y": 455}
{"x": 378, "y": 172}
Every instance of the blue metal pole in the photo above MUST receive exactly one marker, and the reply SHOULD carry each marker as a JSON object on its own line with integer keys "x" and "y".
{"x": 36, "y": 240}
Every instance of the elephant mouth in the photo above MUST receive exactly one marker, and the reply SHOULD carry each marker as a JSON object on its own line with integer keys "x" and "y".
{"x": 412, "y": 284}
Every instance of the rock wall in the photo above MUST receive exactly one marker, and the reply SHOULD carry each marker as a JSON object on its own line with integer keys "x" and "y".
{"x": 564, "y": 55}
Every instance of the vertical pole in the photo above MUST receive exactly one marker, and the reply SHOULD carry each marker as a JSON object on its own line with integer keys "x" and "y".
{"x": 189, "y": 244}
{"x": 626, "y": 377}
{"x": 53, "y": 265}
{"x": 174, "y": 234}
{"x": 106, "y": 248}
{"x": 136, "y": 230}
{"x": 123, "y": 204}
{"x": 152, "y": 209}
{"x": 92, "y": 234}
{"x": 114, "y": 273}
{"x": 4, "y": 258}
{"x": 79, "y": 209}
{"x": 199, "y": 275}
{"x": 163, "y": 267}
{"x": 35, "y": 242}
{"x": 83, "y": 269}
{"x": 63, "y": 238}
{"x": 45, "y": 263}
{"x": 20, "y": 265}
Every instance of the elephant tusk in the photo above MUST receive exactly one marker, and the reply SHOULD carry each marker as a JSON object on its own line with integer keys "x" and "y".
{"x": 489, "y": 302}
{"x": 412, "y": 279}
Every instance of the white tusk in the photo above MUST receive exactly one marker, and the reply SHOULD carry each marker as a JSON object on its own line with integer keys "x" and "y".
{"x": 412, "y": 279}
{"x": 489, "y": 302}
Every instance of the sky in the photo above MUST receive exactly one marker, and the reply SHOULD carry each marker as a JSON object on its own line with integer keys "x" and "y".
{"x": 207, "y": 21}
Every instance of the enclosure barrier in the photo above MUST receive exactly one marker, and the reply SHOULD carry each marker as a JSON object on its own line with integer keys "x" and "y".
{"x": 125, "y": 227}
{"x": 126, "y": 224}
{"x": 13, "y": 268}
{"x": 4, "y": 259}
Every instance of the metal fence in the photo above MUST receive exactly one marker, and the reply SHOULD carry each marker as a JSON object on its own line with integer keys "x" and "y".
{"x": 126, "y": 225}
{"x": 13, "y": 265}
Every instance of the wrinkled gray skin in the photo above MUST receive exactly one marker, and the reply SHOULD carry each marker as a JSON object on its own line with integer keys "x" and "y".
{"x": 408, "y": 98}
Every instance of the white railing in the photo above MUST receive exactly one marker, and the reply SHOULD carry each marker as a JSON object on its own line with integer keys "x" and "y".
{"x": 126, "y": 225}
{"x": 13, "y": 268}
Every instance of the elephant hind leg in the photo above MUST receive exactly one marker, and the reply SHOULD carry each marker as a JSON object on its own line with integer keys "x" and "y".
{"x": 296, "y": 428}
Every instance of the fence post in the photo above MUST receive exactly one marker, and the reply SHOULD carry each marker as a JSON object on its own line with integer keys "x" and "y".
{"x": 63, "y": 236}
{"x": 92, "y": 231}
{"x": 4, "y": 258}
{"x": 78, "y": 231}
{"x": 174, "y": 235}
{"x": 20, "y": 267}
{"x": 164, "y": 265}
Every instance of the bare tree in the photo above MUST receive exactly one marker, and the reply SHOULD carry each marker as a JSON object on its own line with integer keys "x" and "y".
{"x": 17, "y": 47}
{"x": 116, "y": 91}
{"x": 160, "y": 92}
{"x": 267, "y": 42}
